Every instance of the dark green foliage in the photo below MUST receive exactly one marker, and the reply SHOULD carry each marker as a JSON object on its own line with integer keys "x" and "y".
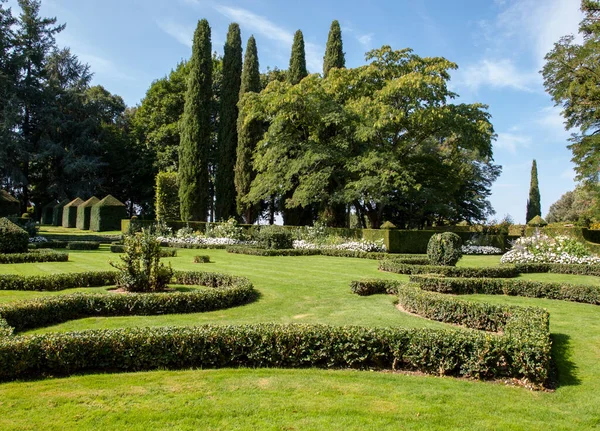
{"x": 141, "y": 269}
{"x": 107, "y": 214}
{"x": 28, "y": 224}
{"x": 409, "y": 260}
{"x": 248, "y": 133}
{"x": 388, "y": 225}
{"x": 41, "y": 255}
{"x": 194, "y": 246}
{"x": 334, "y": 50}
{"x": 444, "y": 249}
{"x": 117, "y": 248}
{"x": 13, "y": 239}
{"x": 165, "y": 252}
{"x": 64, "y": 238}
{"x": 196, "y": 130}
{"x": 227, "y": 142}
{"x": 48, "y": 244}
{"x": 84, "y": 213}
{"x": 534, "y": 206}
{"x": 537, "y": 221}
{"x": 202, "y": 259}
{"x": 375, "y": 287}
{"x": 557, "y": 268}
{"x": 516, "y": 287}
{"x": 47, "y": 211}
{"x": 261, "y": 251}
{"x": 83, "y": 245}
{"x": 69, "y": 218}
{"x": 274, "y": 237}
{"x": 167, "y": 196}
{"x": 297, "y": 70}
{"x": 507, "y": 271}
{"x": 56, "y": 282}
{"x": 9, "y": 205}
{"x": 57, "y": 212}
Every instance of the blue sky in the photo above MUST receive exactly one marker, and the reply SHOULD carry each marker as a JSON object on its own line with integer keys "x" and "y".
{"x": 499, "y": 46}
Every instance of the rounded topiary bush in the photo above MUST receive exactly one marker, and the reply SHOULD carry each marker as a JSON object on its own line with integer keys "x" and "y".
{"x": 274, "y": 237}
{"x": 444, "y": 249}
{"x": 13, "y": 239}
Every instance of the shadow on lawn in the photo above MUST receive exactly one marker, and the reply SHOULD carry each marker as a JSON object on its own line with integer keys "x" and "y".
{"x": 564, "y": 369}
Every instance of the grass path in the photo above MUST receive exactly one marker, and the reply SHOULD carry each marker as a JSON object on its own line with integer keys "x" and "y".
{"x": 308, "y": 289}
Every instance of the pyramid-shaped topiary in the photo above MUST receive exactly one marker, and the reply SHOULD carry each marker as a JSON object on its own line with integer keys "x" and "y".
{"x": 537, "y": 221}
{"x": 84, "y": 213}
{"x": 57, "y": 212}
{"x": 47, "y": 211}
{"x": 69, "y": 218}
{"x": 107, "y": 214}
{"x": 13, "y": 239}
{"x": 9, "y": 205}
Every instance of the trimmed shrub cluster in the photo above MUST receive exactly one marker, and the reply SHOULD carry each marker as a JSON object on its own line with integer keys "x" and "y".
{"x": 274, "y": 237}
{"x": 508, "y": 271}
{"x": 516, "y": 287}
{"x": 69, "y": 218}
{"x": 375, "y": 287}
{"x": 83, "y": 245}
{"x": 107, "y": 214}
{"x": 48, "y": 244}
{"x": 202, "y": 259}
{"x": 57, "y": 212}
{"x": 193, "y": 246}
{"x": 167, "y": 196}
{"x": 84, "y": 213}
{"x": 165, "y": 252}
{"x": 56, "y": 282}
{"x": 558, "y": 268}
{"x": 444, "y": 249}
{"x": 227, "y": 292}
{"x": 42, "y": 255}
{"x": 13, "y": 239}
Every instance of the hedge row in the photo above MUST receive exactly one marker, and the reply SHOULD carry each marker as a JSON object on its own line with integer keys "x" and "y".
{"x": 446, "y": 352}
{"x": 508, "y": 271}
{"x": 518, "y": 287}
{"x": 101, "y": 238}
{"x": 55, "y": 282}
{"x": 83, "y": 245}
{"x": 120, "y": 248}
{"x": 228, "y": 292}
{"x": 194, "y": 246}
{"x": 48, "y": 244}
{"x": 523, "y": 350}
{"x": 41, "y": 255}
{"x": 557, "y": 268}
{"x": 255, "y": 251}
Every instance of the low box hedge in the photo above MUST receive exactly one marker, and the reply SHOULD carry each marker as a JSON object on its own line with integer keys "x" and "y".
{"x": 507, "y": 271}
{"x": 117, "y": 248}
{"x": 516, "y": 287}
{"x": 55, "y": 282}
{"x": 40, "y": 255}
{"x": 194, "y": 246}
{"x": 558, "y": 268}
{"x": 48, "y": 244}
{"x": 13, "y": 239}
{"x": 83, "y": 245}
{"x": 374, "y": 287}
{"x": 202, "y": 259}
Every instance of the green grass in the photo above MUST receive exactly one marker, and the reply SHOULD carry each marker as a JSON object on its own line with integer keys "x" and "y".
{"x": 308, "y": 289}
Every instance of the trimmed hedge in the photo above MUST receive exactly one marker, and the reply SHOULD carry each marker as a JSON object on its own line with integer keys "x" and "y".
{"x": 167, "y": 196}
{"x": 168, "y": 253}
{"x": 41, "y": 255}
{"x": 56, "y": 282}
{"x": 374, "y": 287}
{"x": 13, "y": 239}
{"x": 202, "y": 259}
{"x": 69, "y": 218}
{"x": 256, "y": 251}
{"x": 508, "y": 271}
{"x": 47, "y": 212}
{"x": 194, "y": 246}
{"x": 444, "y": 249}
{"x": 9, "y": 205}
{"x": 558, "y": 268}
{"x": 102, "y": 239}
{"x": 84, "y": 213}
{"x": 83, "y": 245}
{"x": 57, "y": 212}
{"x": 516, "y": 287}
{"x": 117, "y": 248}
{"x": 48, "y": 244}
{"x": 227, "y": 292}
{"x": 107, "y": 214}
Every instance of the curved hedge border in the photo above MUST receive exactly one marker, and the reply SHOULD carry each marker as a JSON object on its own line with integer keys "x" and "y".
{"x": 558, "y": 268}
{"x": 507, "y": 271}
{"x": 528, "y": 288}
{"x": 40, "y": 255}
{"x": 83, "y": 245}
{"x": 56, "y": 282}
{"x": 521, "y": 350}
{"x": 257, "y": 251}
{"x": 227, "y": 292}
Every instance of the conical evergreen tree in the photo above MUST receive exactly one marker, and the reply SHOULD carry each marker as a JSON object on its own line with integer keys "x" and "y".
{"x": 196, "y": 130}
{"x": 534, "y": 207}
{"x": 228, "y": 112}
{"x": 248, "y": 134}
{"x": 297, "y": 69}
{"x": 334, "y": 51}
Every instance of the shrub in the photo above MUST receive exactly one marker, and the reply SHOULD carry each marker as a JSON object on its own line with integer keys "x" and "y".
{"x": 83, "y": 245}
{"x": 42, "y": 255}
{"x": 167, "y": 196}
{"x": 69, "y": 218}
{"x": 274, "y": 237}
{"x": 537, "y": 221}
{"x": 56, "y": 282}
{"x": 507, "y": 271}
{"x": 229, "y": 229}
{"x": 84, "y": 213}
{"x": 141, "y": 269}
{"x": 558, "y": 268}
{"x": 107, "y": 214}
{"x": 57, "y": 212}
{"x": 9, "y": 205}
{"x": 444, "y": 249}
{"x": 28, "y": 224}
{"x": 13, "y": 239}
{"x": 165, "y": 252}
{"x": 202, "y": 259}
{"x": 388, "y": 225}
{"x": 47, "y": 212}
{"x": 117, "y": 248}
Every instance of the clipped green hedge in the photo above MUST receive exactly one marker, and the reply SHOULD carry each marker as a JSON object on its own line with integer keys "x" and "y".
{"x": 165, "y": 252}
{"x": 508, "y": 271}
{"x": 55, "y": 282}
{"x": 13, "y": 239}
{"x": 167, "y": 196}
{"x": 83, "y": 245}
{"x": 202, "y": 259}
{"x": 101, "y": 238}
{"x": 227, "y": 292}
{"x": 256, "y": 251}
{"x": 41, "y": 255}
{"x": 194, "y": 246}
{"x": 107, "y": 214}
{"x": 558, "y": 268}
{"x": 516, "y": 287}
{"x": 117, "y": 248}
{"x": 57, "y": 212}
{"x": 84, "y": 213}
{"x": 69, "y": 218}
{"x": 48, "y": 244}
{"x": 375, "y": 287}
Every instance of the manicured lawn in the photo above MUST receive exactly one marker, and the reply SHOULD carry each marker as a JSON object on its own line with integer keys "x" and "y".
{"x": 307, "y": 289}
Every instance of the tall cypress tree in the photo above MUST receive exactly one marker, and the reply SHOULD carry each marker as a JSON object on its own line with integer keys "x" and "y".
{"x": 534, "y": 207}
{"x": 248, "y": 134}
{"x": 334, "y": 51}
{"x": 228, "y": 114}
{"x": 297, "y": 69}
{"x": 196, "y": 129}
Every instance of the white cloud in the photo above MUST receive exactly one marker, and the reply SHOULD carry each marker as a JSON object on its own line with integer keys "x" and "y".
{"x": 551, "y": 119}
{"x": 180, "y": 33}
{"x": 511, "y": 142}
{"x": 365, "y": 39}
{"x": 498, "y": 74}
{"x": 266, "y": 28}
